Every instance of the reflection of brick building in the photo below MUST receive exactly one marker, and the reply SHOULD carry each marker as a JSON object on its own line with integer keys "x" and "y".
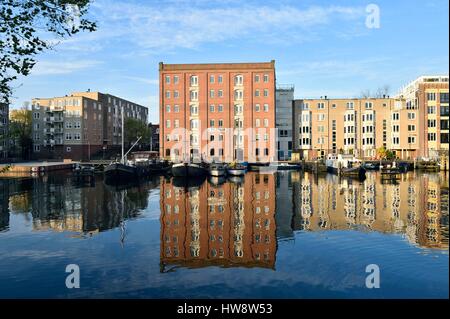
{"x": 226, "y": 225}
{"x": 411, "y": 207}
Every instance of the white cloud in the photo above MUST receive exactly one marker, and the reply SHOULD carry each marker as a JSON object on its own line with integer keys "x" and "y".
{"x": 162, "y": 28}
{"x": 62, "y": 67}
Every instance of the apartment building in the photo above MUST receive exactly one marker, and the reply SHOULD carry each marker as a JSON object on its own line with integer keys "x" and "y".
{"x": 355, "y": 126}
{"x": 284, "y": 100}
{"x": 221, "y": 112}
{"x": 79, "y": 125}
{"x": 430, "y": 96}
{"x": 4, "y": 121}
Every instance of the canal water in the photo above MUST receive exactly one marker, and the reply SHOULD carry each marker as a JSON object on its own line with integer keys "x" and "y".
{"x": 282, "y": 235}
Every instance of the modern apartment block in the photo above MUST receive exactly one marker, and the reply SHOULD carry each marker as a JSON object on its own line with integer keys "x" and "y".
{"x": 284, "y": 101}
{"x": 355, "y": 126}
{"x": 4, "y": 121}
{"x": 430, "y": 96}
{"x": 221, "y": 112}
{"x": 79, "y": 125}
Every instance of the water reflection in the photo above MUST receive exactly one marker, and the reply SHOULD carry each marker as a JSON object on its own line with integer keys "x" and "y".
{"x": 416, "y": 206}
{"x": 58, "y": 203}
{"x": 229, "y": 224}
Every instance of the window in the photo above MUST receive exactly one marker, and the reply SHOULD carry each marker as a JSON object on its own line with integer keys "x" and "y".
{"x": 211, "y": 123}
{"x": 176, "y": 108}
{"x": 321, "y": 105}
{"x": 396, "y": 128}
{"x": 238, "y": 95}
{"x": 266, "y": 123}
{"x": 175, "y": 79}
{"x": 167, "y": 123}
{"x": 167, "y": 79}
{"x": 220, "y": 93}
{"x": 194, "y": 95}
{"x": 444, "y": 138}
{"x": 411, "y": 128}
{"x": 257, "y": 123}
{"x": 320, "y": 117}
{"x": 167, "y": 108}
{"x": 395, "y": 116}
{"x": 444, "y": 110}
{"x": 350, "y": 105}
{"x": 411, "y": 116}
{"x": 36, "y": 115}
{"x": 266, "y": 92}
{"x": 266, "y": 78}
{"x": 411, "y": 140}
{"x": 256, "y": 92}
{"x": 194, "y": 124}
{"x": 395, "y": 140}
{"x": 37, "y": 148}
{"x": 266, "y": 107}
{"x": 68, "y": 136}
{"x": 167, "y": 94}
{"x": 431, "y": 109}
{"x": 211, "y": 79}
{"x": 176, "y": 123}
{"x": 220, "y": 107}
{"x": 443, "y": 97}
{"x": 431, "y": 96}
{"x": 221, "y": 124}
{"x": 211, "y": 108}
{"x": 220, "y": 79}
{"x": 194, "y": 110}
{"x": 257, "y": 107}
{"x": 257, "y": 78}
{"x": 238, "y": 80}
{"x": 431, "y": 136}
{"x": 431, "y": 123}
{"x": 176, "y": 94}
{"x": 444, "y": 124}
{"x": 369, "y": 105}
{"x": 194, "y": 80}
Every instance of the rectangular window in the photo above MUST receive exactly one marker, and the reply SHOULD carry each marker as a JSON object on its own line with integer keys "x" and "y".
{"x": 266, "y": 92}
{"x": 257, "y": 78}
{"x": 411, "y": 116}
{"x": 431, "y": 96}
{"x": 211, "y": 93}
{"x": 444, "y": 110}
{"x": 257, "y": 107}
{"x": 176, "y": 79}
{"x": 220, "y": 107}
{"x": 220, "y": 93}
{"x": 443, "y": 97}
{"x": 167, "y": 123}
{"x": 266, "y": 107}
{"x": 211, "y": 108}
{"x": 444, "y": 138}
{"x": 256, "y": 93}
{"x": 444, "y": 124}
{"x": 266, "y": 78}
{"x": 431, "y": 109}
{"x": 167, "y": 79}
{"x": 211, "y": 79}
{"x": 220, "y": 79}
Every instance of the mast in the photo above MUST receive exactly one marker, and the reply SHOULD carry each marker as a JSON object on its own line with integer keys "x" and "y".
{"x": 123, "y": 160}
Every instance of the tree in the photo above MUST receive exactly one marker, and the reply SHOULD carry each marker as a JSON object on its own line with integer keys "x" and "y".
{"x": 20, "y": 123}
{"x": 385, "y": 154}
{"x": 382, "y": 91}
{"x": 24, "y": 25}
{"x": 134, "y": 129}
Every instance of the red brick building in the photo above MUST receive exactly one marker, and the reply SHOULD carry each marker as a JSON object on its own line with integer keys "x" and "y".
{"x": 221, "y": 112}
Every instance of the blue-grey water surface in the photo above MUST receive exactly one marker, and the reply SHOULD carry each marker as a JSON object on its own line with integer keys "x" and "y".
{"x": 283, "y": 235}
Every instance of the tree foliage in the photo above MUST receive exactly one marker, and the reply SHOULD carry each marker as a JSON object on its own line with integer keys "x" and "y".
{"x": 20, "y": 126}
{"x": 134, "y": 129}
{"x": 25, "y": 26}
{"x": 385, "y": 154}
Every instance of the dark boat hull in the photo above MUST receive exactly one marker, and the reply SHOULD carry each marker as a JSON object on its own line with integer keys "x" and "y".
{"x": 188, "y": 170}
{"x": 119, "y": 173}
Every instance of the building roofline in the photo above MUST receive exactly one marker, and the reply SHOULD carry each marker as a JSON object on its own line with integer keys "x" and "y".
{"x": 216, "y": 66}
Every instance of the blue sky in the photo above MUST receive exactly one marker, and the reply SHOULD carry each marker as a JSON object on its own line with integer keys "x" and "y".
{"x": 322, "y": 47}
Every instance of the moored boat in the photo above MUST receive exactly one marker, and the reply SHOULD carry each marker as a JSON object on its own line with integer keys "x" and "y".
{"x": 119, "y": 172}
{"x": 345, "y": 165}
{"x": 188, "y": 170}
{"x": 217, "y": 169}
{"x": 236, "y": 169}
